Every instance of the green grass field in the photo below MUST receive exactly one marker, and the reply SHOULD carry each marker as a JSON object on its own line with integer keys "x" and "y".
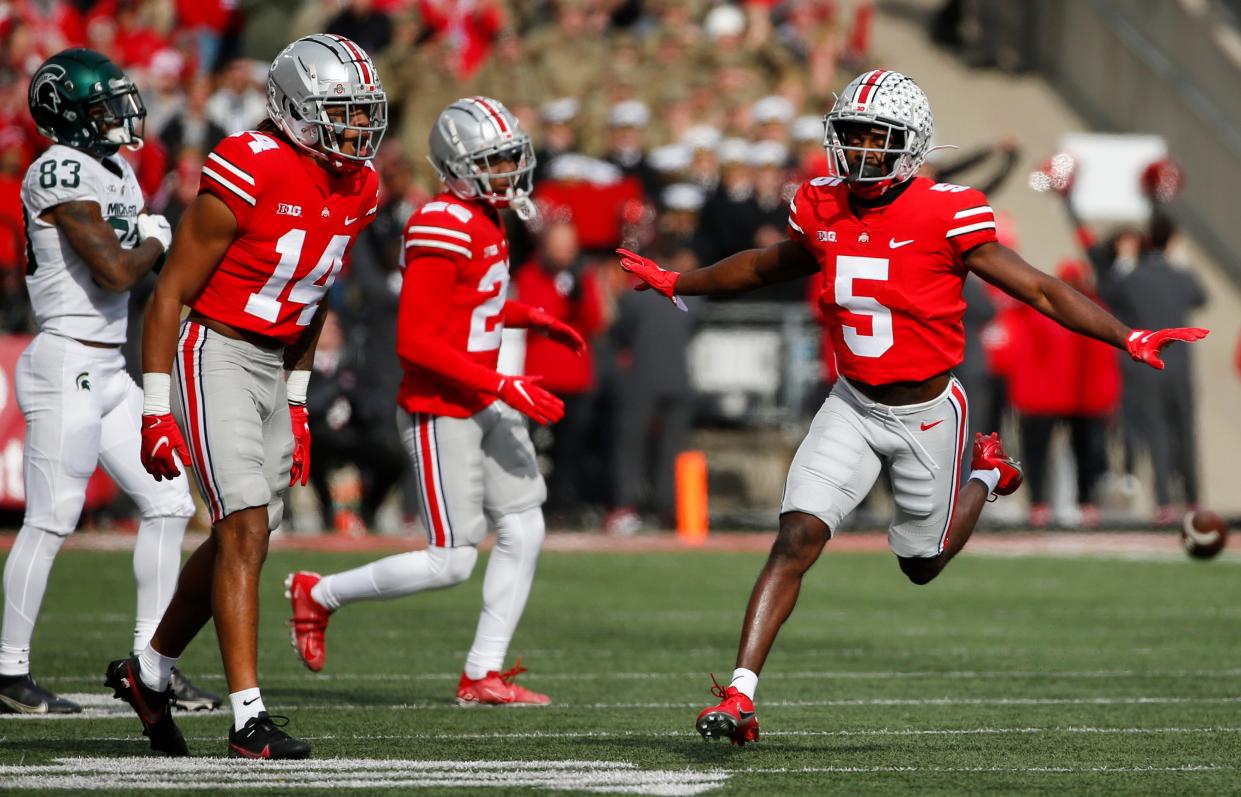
{"x": 1031, "y": 676}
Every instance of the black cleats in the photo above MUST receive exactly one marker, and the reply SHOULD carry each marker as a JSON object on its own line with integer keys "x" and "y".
{"x": 152, "y": 707}
{"x": 262, "y": 737}
{"x": 188, "y": 697}
{"x": 19, "y": 694}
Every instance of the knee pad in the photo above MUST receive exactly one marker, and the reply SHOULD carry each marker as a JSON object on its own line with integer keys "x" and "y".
{"x": 451, "y": 565}
{"x": 525, "y": 528}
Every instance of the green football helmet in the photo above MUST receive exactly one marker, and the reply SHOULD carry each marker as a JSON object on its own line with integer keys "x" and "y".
{"x": 81, "y": 99}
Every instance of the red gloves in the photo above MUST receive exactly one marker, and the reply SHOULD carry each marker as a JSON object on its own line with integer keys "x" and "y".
{"x": 522, "y": 394}
{"x": 650, "y": 273}
{"x": 160, "y": 440}
{"x": 300, "y": 472}
{"x": 556, "y": 330}
{"x": 1144, "y": 345}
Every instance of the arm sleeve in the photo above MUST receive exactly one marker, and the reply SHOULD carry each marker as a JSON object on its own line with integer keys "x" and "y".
{"x": 970, "y": 223}
{"x": 424, "y": 305}
{"x": 516, "y": 314}
{"x": 231, "y": 173}
{"x": 797, "y": 205}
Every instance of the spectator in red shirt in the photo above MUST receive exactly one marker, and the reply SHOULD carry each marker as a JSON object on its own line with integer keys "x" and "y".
{"x": 560, "y": 282}
{"x": 1058, "y": 377}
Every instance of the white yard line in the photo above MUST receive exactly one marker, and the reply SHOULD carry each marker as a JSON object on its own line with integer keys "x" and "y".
{"x": 602, "y": 777}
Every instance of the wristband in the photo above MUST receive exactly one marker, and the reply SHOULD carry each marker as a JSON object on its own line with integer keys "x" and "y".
{"x": 155, "y": 392}
{"x": 989, "y": 478}
{"x": 296, "y": 386}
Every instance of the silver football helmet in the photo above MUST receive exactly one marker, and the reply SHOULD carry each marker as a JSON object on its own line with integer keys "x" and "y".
{"x": 880, "y": 98}
{"x": 470, "y": 143}
{"x": 319, "y": 88}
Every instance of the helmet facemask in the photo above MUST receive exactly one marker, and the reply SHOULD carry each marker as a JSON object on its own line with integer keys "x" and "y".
{"x": 502, "y": 176}
{"x": 856, "y": 164}
{"x": 118, "y": 118}
{"x": 323, "y": 126}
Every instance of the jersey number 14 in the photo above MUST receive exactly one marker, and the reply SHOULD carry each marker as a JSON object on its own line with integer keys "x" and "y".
{"x": 265, "y": 303}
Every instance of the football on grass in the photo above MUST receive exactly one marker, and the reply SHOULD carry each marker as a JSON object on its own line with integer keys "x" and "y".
{"x": 1204, "y": 533}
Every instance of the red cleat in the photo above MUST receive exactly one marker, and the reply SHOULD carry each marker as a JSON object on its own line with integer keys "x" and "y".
{"x": 734, "y": 717}
{"x": 309, "y": 619}
{"x": 498, "y": 689}
{"x": 989, "y": 454}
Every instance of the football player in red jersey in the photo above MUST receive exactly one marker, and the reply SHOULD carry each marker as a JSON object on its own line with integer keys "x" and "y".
{"x": 464, "y": 429}
{"x": 277, "y": 212}
{"x": 894, "y": 250}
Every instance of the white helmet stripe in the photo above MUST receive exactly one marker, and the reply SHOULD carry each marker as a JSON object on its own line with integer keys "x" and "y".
{"x": 496, "y": 119}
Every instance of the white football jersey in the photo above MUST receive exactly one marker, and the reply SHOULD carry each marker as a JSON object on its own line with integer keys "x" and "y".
{"x": 66, "y": 299}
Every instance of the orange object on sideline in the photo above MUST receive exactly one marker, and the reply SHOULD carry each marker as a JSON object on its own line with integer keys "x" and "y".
{"x": 691, "y": 474}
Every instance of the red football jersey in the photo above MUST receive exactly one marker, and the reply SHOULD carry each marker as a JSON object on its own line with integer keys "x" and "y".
{"x": 295, "y": 226}
{"x": 893, "y": 277}
{"x": 472, "y": 237}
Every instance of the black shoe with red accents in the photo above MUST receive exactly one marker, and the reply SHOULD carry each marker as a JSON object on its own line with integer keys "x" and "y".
{"x": 153, "y": 708}
{"x": 262, "y": 737}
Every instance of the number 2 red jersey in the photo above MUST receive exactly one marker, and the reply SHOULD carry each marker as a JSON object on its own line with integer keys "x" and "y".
{"x": 295, "y": 225}
{"x": 468, "y": 240}
{"x": 893, "y": 276}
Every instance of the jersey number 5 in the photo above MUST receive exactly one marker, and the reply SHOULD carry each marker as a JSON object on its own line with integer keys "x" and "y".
{"x": 265, "y": 303}
{"x": 848, "y": 269}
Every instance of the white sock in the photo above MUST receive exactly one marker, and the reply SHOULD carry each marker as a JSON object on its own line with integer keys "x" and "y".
{"x": 746, "y": 681}
{"x": 506, "y": 585}
{"x": 246, "y": 704}
{"x": 396, "y": 576}
{"x": 990, "y": 478}
{"x": 157, "y": 560}
{"x": 25, "y": 581}
{"x": 154, "y": 668}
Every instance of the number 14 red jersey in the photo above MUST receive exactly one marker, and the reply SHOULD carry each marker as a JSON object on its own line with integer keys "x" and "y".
{"x": 295, "y": 226}
{"x": 893, "y": 277}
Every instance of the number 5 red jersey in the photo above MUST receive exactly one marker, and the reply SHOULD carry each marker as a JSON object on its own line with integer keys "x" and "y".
{"x": 893, "y": 276}
{"x": 295, "y": 225}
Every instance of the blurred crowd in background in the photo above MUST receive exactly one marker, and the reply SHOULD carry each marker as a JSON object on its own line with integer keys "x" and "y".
{"x": 677, "y": 127}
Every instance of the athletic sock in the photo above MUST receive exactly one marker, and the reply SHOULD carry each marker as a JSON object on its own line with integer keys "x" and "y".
{"x": 154, "y": 668}
{"x": 25, "y": 581}
{"x": 157, "y": 560}
{"x": 396, "y": 576}
{"x": 246, "y": 704}
{"x": 746, "y": 681}
{"x": 506, "y": 586}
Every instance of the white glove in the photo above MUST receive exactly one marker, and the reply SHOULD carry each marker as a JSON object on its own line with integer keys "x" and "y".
{"x": 153, "y": 225}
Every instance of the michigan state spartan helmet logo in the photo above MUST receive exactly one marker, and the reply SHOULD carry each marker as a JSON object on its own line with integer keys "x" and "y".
{"x": 83, "y": 380}
{"x": 81, "y": 99}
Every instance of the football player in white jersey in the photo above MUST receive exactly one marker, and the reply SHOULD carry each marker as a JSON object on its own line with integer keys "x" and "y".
{"x": 88, "y": 242}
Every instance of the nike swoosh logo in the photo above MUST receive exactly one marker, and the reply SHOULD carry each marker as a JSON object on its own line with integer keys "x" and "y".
{"x": 248, "y": 702}
{"x": 522, "y": 390}
{"x": 1198, "y": 537}
{"x": 163, "y": 441}
{"x": 349, "y": 221}
{"x": 746, "y": 715}
{"x": 931, "y": 425}
{"x": 895, "y": 244}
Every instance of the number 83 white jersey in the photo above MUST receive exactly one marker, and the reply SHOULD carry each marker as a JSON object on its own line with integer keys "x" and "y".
{"x": 66, "y": 299}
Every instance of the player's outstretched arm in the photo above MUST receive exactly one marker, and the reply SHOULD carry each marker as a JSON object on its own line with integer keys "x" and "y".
{"x": 1055, "y": 299}
{"x": 113, "y": 266}
{"x": 745, "y": 271}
